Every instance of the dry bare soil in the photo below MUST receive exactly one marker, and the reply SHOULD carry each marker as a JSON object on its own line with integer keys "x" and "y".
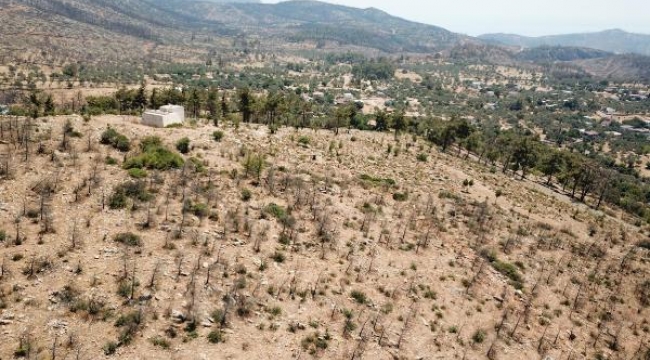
{"x": 344, "y": 250}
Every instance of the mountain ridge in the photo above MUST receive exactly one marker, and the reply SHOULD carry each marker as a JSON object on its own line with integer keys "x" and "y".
{"x": 143, "y": 31}
{"x": 612, "y": 40}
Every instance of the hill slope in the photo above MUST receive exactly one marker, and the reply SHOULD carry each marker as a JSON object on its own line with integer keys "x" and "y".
{"x": 617, "y": 41}
{"x": 318, "y": 258}
{"x": 313, "y": 21}
{"x": 560, "y": 53}
{"x": 114, "y": 31}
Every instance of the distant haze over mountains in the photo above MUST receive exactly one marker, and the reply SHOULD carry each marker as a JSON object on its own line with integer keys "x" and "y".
{"x": 616, "y": 41}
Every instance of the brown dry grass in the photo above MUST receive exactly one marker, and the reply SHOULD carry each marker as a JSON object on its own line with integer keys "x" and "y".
{"x": 545, "y": 234}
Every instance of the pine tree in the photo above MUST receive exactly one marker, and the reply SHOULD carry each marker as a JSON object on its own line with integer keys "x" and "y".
{"x": 140, "y": 100}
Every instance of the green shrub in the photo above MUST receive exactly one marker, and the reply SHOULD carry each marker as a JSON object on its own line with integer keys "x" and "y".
{"x": 108, "y": 136}
{"x": 132, "y": 318}
{"x": 275, "y": 210}
{"x": 3, "y": 235}
{"x": 315, "y": 343}
{"x": 160, "y": 342}
{"x": 479, "y": 336}
{"x": 154, "y": 156}
{"x": 377, "y": 181}
{"x": 21, "y": 352}
{"x": 422, "y": 157}
{"x": 400, "y": 196}
{"x": 216, "y": 336}
{"x": 110, "y": 161}
{"x": 111, "y": 137}
{"x": 198, "y": 209}
{"x": 304, "y": 140}
{"x": 489, "y": 254}
{"x": 183, "y": 145}
{"x": 246, "y": 195}
{"x": 129, "y": 324}
{"x": 130, "y": 189}
{"x": 510, "y": 271}
{"x": 274, "y": 311}
{"x": 505, "y": 268}
{"x": 199, "y": 167}
{"x": 128, "y": 238}
{"x": 218, "y": 135}
{"x": 218, "y": 316}
{"x": 124, "y": 289}
{"x": 137, "y": 173}
{"x": 278, "y": 257}
{"x": 110, "y": 348}
{"x": 254, "y": 164}
{"x": 118, "y": 200}
{"x": 122, "y": 143}
{"x": 150, "y": 142}
{"x": 359, "y": 296}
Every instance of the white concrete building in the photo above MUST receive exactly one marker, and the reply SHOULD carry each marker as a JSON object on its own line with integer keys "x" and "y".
{"x": 165, "y": 116}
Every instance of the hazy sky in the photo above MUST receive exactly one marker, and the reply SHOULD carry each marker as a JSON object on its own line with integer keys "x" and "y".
{"x": 541, "y": 17}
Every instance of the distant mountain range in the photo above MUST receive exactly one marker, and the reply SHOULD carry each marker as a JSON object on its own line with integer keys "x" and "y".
{"x": 323, "y": 23}
{"x": 211, "y": 24}
{"x": 614, "y": 41}
{"x": 120, "y": 32}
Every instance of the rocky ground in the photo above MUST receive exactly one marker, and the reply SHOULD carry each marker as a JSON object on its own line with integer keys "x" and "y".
{"x": 361, "y": 245}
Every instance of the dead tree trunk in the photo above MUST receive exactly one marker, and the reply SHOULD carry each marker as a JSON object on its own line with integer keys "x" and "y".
{"x": 407, "y": 323}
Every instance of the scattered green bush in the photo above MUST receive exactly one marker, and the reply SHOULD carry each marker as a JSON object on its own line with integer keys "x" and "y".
{"x": 216, "y": 336}
{"x": 505, "y": 268}
{"x": 510, "y": 271}
{"x": 154, "y": 156}
{"x": 137, "y": 173}
{"x": 183, "y": 145}
{"x": 128, "y": 238}
{"x": 198, "y": 165}
{"x": 218, "y": 316}
{"x": 377, "y": 181}
{"x": 130, "y": 324}
{"x": 315, "y": 343}
{"x": 278, "y": 257}
{"x": 254, "y": 164}
{"x": 110, "y": 348}
{"x": 131, "y": 189}
{"x": 275, "y": 210}
{"x": 160, "y": 342}
{"x": 422, "y": 157}
{"x": 110, "y": 161}
{"x": 198, "y": 209}
{"x": 304, "y": 140}
{"x": 359, "y": 296}
{"x": 246, "y": 195}
{"x": 479, "y": 336}
{"x": 111, "y": 137}
{"x": 218, "y": 135}
{"x": 400, "y": 196}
